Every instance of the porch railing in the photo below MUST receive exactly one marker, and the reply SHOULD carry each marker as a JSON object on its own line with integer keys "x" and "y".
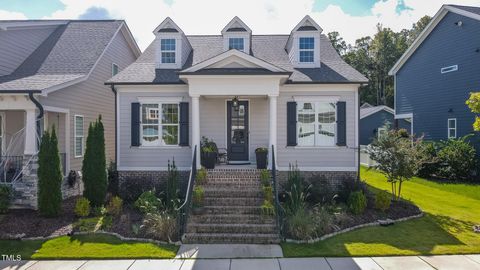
{"x": 10, "y": 168}
{"x": 278, "y": 207}
{"x": 184, "y": 209}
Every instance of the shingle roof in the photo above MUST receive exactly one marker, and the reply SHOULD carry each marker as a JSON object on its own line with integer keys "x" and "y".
{"x": 69, "y": 53}
{"x": 269, "y": 48}
{"x": 366, "y": 111}
{"x": 475, "y": 10}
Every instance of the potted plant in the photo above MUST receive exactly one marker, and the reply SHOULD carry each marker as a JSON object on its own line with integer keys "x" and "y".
{"x": 197, "y": 200}
{"x": 209, "y": 153}
{"x": 261, "y": 153}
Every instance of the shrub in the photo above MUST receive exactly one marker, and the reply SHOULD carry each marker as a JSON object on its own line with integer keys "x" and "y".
{"x": 172, "y": 186}
{"x": 431, "y": 166}
{"x": 112, "y": 178}
{"x": 99, "y": 211}
{"x": 201, "y": 176}
{"x": 382, "y": 201}
{"x": 320, "y": 190}
{"x": 49, "y": 176}
{"x": 161, "y": 226}
{"x": 5, "y": 198}
{"x": 268, "y": 193}
{"x": 323, "y": 220}
{"x": 351, "y": 185}
{"x": 92, "y": 224}
{"x": 457, "y": 159}
{"x": 198, "y": 196}
{"x": 261, "y": 150}
{"x": 115, "y": 206}
{"x": 94, "y": 169}
{"x": 357, "y": 202}
{"x": 301, "y": 225}
{"x": 265, "y": 177}
{"x": 148, "y": 202}
{"x": 82, "y": 207}
{"x": 295, "y": 191}
{"x": 267, "y": 208}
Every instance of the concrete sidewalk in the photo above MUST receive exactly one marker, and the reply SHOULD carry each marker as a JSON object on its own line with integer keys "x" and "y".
{"x": 457, "y": 262}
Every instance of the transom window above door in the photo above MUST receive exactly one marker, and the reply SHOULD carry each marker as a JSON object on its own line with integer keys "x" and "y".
{"x": 160, "y": 124}
{"x": 316, "y": 123}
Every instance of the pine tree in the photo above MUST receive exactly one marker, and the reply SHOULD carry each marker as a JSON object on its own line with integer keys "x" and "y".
{"x": 49, "y": 176}
{"x": 94, "y": 165}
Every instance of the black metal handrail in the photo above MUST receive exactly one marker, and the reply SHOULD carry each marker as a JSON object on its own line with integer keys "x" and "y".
{"x": 11, "y": 168}
{"x": 278, "y": 207}
{"x": 184, "y": 209}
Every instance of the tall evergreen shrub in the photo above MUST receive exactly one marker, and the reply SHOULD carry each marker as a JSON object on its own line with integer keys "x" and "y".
{"x": 49, "y": 176}
{"x": 94, "y": 165}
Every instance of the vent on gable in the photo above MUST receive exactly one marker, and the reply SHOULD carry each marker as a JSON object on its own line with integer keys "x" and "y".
{"x": 449, "y": 69}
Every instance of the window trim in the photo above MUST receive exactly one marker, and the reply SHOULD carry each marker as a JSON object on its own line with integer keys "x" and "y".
{"x": 451, "y": 128}
{"x": 75, "y": 136}
{"x": 384, "y": 129}
{"x": 306, "y": 50}
{"x": 316, "y": 123}
{"x": 159, "y": 102}
{"x": 243, "y": 43}
{"x": 118, "y": 69}
{"x": 168, "y": 51}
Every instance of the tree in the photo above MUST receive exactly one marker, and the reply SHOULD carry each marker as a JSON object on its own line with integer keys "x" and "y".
{"x": 474, "y": 104}
{"x": 417, "y": 28}
{"x": 398, "y": 157}
{"x": 94, "y": 165}
{"x": 338, "y": 43}
{"x": 49, "y": 176}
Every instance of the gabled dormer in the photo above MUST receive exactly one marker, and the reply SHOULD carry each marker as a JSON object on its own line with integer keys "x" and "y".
{"x": 172, "y": 46}
{"x": 237, "y": 35}
{"x": 303, "y": 45}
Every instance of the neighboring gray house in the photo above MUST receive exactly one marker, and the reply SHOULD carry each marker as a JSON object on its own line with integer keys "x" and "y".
{"x": 52, "y": 73}
{"x": 435, "y": 76}
{"x": 377, "y": 120}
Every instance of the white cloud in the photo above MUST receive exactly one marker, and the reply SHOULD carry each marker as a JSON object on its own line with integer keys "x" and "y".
{"x": 10, "y": 15}
{"x": 262, "y": 16}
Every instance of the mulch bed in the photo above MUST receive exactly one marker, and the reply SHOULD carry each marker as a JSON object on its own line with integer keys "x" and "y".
{"x": 123, "y": 224}
{"x": 21, "y": 223}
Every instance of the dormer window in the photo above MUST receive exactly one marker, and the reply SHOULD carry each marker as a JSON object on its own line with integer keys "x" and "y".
{"x": 168, "y": 50}
{"x": 236, "y": 43}
{"x": 306, "y": 49}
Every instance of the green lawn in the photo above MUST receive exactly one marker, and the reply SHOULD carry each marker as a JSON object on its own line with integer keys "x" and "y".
{"x": 95, "y": 246}
{"x": 451, "y": 211}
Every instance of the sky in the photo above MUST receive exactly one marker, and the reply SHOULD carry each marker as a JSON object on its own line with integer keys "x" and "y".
{"x": 351, "y": 18}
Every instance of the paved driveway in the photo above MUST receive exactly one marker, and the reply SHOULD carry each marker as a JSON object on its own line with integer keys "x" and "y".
{"x": 456, "y": 262}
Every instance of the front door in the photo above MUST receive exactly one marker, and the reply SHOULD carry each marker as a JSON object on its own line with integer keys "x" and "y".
{"x": 237, "y": 131}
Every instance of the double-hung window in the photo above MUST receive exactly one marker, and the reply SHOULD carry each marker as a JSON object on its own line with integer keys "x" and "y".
{"x": 306, "y": 49}
{"x": 168, "y": 49}
{"x": 236, "y": 43}
{"x": 160, "y": 124}
{"x": 316, "y": 123}
{"x": 79, "y": 136}
{"x": 452, "y": 128}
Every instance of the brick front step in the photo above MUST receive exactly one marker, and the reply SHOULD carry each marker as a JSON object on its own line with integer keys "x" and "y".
{"x": 221, "y": 238}
{"x": 238, "y": 201}
{"x": 233, "y": 210}
{"x": 231, "y": 228}
{"x": 215, "y": 192}
{"x": 232, "y": 219}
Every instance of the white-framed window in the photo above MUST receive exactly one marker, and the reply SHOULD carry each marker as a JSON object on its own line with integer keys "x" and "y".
{"x": 306, "y": 49}
{"x": 236, "y": 43}
{"x": 382, "y": 132}
{"x": 452, "y": 128}
{"x": 114, "y": 69}
{"x": 316, "y": 123}
{"x": 79, "y": 138}
{"x": 160, "y": 124}
{"x": 168, "y": 50}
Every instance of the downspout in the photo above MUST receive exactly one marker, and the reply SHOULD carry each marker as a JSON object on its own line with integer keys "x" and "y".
{"x": 116, "y": 120}
{"x": 40, "y": 113}
{"x": 358, "y": 132}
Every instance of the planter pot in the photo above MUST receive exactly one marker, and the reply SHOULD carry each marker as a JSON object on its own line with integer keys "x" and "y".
{"x": 208, "y": 160}
{"x": 198, "y": 210}
{"x": 261, "y": 160}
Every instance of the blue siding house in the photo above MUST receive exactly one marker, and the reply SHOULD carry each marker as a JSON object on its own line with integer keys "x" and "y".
{"x": 435, "y": 76}
{"x": 374, "y": 120}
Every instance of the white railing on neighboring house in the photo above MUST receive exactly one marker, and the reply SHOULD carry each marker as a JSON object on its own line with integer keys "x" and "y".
{"x": 365, "y": 158}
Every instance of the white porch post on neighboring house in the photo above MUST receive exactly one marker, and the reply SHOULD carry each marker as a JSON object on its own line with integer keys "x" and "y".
{"x": 30, "y": 132}
{"x": 196, "y": 126}
{"x": 272, "y": 100}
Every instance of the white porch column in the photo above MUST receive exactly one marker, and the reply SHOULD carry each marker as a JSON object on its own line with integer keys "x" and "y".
{"x": 272, "y": 100}
{"x": 196, "y": 126}
{"x": 30, "y": 132}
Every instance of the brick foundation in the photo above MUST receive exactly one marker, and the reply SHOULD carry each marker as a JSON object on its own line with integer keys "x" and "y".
{"x": 333, "y": 179}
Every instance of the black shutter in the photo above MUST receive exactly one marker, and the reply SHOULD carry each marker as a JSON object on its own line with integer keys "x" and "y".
{"x": 341, "y": 123}
{"x": 135, "y": 124}
{"x": 291, "y": 123}
{"x": 183, "y": 124}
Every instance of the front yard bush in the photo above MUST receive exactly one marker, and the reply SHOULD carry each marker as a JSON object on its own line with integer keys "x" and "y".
{"x": 323, "y": 220}
{"x": 301, "y": 225}
{"x": 148, "y": 202}
{"x": 457, "y": 159}
{"x": 115, "y": 206}
{"x": 382, "y": 201}
{"x": 5, "y": 198}
{"x": 161, "y": 226}
{"x": 49, "y": 176}
{"x": 82, "y": 207}
{"x": 357, "y": 202}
